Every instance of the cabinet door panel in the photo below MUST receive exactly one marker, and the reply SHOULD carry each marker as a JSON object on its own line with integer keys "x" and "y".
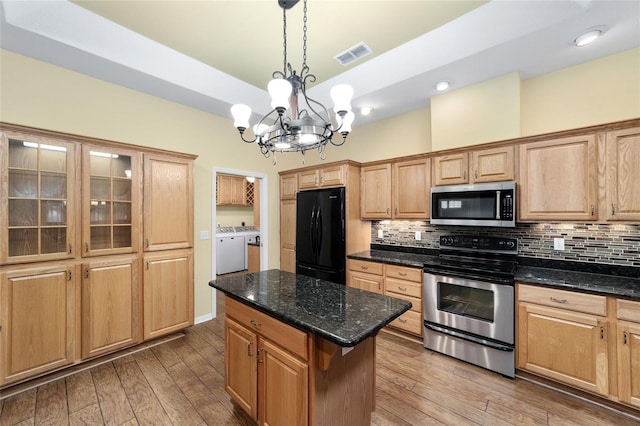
{"x": 110, "y": 311}
{"x": 284, "y": 387}
{"x": 566, "y": 346}
{"x": 332, "y": 176}
{"x": 367, "y": 282}
{"x": 38, "y": 314}
{"x": 623, "y": 175}
{"x": 308, "y": 179}
{"x": 629, "y": 363}
{"x": 168, "y": 293}
{"x": 558, "y": 179}
{"x": 411, "y": 189}
{"x": 451, "y": 169}
{"x": 168, "y": 203}
{"x": 288, "y": 186}
{"x": 375, "y": 198}
{"x": 241, "y": 371}
{"x": 493, "y": 165}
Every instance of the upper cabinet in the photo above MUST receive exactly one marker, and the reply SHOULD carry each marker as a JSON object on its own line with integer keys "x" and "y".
{"x": 623, "y": 175}
{"x": 398, "y": 190}
{"x": 111, "y": 182}
{"x": 168, "y": 202}
{"x": 233, "y": 191}
{"x": 333, "y": 175}
{"x": 477, "y": 166}
{"x": 288, "y": 186}
{"x": 38, "y": 198}
{"x": 557, "y": 179}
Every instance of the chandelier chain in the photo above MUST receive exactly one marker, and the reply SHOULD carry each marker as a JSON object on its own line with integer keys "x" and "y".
{"x": 284, "y": 41}
{"x": 304, "y": 36}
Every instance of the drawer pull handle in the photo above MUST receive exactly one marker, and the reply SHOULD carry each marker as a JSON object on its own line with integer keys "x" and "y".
{"x": 553, "y": 299}
{"x": 402, "y": 288}
{"x": 364, "y": 267}
{"x": 402, "y": 274}
{"x": 402, "y": 320}
{"x": 255, "y": 324}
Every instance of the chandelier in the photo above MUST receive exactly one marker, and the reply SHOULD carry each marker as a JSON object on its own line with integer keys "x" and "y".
{"x": 297, "y": 123}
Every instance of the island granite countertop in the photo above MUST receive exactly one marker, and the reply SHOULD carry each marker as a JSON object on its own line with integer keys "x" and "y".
{"x": 342, "y": 315}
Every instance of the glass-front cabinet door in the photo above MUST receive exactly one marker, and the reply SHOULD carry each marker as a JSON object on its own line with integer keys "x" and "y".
{"x": 110, "y": 197}
{"x": 37, "y": 199}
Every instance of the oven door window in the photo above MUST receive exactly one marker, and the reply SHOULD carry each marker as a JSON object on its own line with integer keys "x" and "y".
{"x": 466, "y": 301}
{"x": 465, "y": 205}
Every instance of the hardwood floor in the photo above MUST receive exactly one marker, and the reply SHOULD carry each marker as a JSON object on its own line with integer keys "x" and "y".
{"x": 180, "y": 382}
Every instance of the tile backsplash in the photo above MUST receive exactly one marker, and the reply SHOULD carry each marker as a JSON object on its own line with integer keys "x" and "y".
{"x": 617, "y": 244}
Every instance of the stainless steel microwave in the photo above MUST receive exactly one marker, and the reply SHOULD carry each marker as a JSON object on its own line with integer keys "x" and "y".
{"x": 484, "y": 204}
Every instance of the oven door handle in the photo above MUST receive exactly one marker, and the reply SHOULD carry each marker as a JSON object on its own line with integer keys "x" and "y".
{"x": 473, "y": 339}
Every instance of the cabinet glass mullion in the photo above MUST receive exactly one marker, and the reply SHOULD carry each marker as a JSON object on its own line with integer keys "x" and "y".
{"x": 110, "y": 200}
{"x": 37, "y": 198}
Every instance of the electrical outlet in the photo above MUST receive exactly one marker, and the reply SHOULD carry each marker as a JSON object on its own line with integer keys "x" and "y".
{"x": 418, "y": 236}
{"x": 558, "y": 244}
{"x": 204, "y": 235}
{"x": 380, "y": 233}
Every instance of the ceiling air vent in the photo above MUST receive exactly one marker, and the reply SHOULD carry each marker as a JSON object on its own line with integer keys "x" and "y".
{"x": 352, "y": 54}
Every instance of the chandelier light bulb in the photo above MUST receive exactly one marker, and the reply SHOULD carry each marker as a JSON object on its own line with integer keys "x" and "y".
{"x": 241, "y": 114}
{"x": 341, "y": 95}
{"x": 347, "y": 121}
{"x": 280, "y": 91}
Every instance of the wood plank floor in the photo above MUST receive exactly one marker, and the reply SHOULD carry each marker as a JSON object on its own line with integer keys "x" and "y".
{"x": 181, "y": 382}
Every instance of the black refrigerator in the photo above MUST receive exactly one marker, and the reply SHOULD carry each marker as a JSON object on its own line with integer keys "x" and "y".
{"x": 320, "y": 234}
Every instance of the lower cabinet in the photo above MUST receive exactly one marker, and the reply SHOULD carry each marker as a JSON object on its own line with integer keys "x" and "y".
{"x": 392, "y": 280}
{"x": 110, "y": 305}
{"x": 268, "y": 379}
{"x": 167, "y": 292}
{"x": 39, "y": 313}
{"x": 586, "y": 341}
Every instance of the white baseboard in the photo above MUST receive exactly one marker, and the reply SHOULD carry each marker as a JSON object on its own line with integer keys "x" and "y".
{"x": 203, "y": 318}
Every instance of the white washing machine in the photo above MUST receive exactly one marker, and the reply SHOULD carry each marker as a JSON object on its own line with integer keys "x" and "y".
{"x": 231, "y": 251}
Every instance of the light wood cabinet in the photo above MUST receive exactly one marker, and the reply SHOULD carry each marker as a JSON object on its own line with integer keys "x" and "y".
{"x": 288, "y": 235}
{"x": 288, "y": 186}
{"x": 266, "y": 367}
{"x": 628, "y": 348}
{"x": 322, "y": 177}
{"x": 406, "y": 283}
{"x": 38, "y": 196}
{"x": 375, "y": 199}
{"x": 233, "y": 191}
{"x": 623, "y": 175}
{"x": 168, "y": 202}
{"x": 365, "y": 275}
{"x": 476, "y": 166}
{"x": 397, "y": 190}
{"x": 557, "y": 179}
{"x": 39, "y": 316}
{"x": 110, "y": 305}
{"x": 564, "y": 335}
{"x": 168, "y": 292}
{"x": 111, "y": 194}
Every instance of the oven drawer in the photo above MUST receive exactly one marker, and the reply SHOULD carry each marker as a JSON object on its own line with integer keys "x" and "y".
{"x": 410, "y": 322}
{"x": 404, "y": 273}
{"x": 570, "y": 300}
{"x": 403, "y": 288}
{"x": 364, "y": 266}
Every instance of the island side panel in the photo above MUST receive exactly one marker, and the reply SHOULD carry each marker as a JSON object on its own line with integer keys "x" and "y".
{"x": 344, "y": 393}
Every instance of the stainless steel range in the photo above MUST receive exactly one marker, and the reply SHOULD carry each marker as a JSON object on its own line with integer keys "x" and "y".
{"x": 469, "y": 302}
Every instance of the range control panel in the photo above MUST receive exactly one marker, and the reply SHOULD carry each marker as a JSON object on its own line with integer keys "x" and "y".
{"x": 479, "y": 243}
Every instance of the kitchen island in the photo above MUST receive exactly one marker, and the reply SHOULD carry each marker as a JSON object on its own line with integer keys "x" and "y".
{"x": 301, "y": 351}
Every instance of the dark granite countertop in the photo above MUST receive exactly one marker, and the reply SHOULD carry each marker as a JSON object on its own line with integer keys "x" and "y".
{"x": 343, "y": 315}
{"x": 609, "y": 280}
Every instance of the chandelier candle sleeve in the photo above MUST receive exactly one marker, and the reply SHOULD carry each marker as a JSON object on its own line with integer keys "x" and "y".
{"x": 297, "y": 122}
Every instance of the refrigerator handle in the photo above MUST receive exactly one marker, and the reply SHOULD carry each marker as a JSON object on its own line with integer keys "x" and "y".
{"x": 312, "y": 229}
{"x": 319, "y": 230}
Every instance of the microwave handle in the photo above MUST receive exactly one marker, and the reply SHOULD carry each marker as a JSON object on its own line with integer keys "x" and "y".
{"x": 498, "y": 205}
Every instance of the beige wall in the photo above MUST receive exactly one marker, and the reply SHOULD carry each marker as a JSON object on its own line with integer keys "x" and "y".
{"x": 597, "y": 92}
{"x": 40, "y": 95}
{"x": 484, "y": 112}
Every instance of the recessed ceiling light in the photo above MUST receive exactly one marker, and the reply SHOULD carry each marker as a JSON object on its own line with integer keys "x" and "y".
{"x": 366, "y": 110}
{"x": 589, "y": 36}
{"x": 442, "y": 86}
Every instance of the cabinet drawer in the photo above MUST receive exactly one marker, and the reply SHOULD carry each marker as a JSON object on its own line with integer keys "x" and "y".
{"x": 416, "y": 304}
{"x": 402, "y": 287}
{"x": 628, "y": 310}
{"x": 364, "y": 266}
{"x": 410, "y": 321}
{"x": 580, "y": 302}
{"x": 289, "y": 338}
{"x": 404, "y": 273}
